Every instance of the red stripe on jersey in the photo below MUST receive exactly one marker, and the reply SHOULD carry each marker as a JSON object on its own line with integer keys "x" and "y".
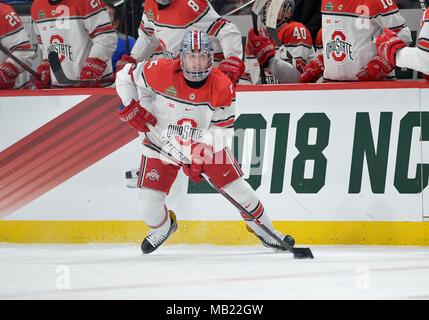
{"x": 423, "y": 43}
{"x": 218, "y": 56}
{"x": 131, "y": 73}
{"x": 224, "y": 124}
{"x": 22, "y": 47}
{"x": 217, "y": 26}
{"x": 99, "y": 30}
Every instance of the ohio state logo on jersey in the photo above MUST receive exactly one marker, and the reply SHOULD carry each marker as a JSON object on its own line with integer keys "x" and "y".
{"x": 63, "y": 50}
{"x": 185, "y": 131}
{"x": 339, "y": 48}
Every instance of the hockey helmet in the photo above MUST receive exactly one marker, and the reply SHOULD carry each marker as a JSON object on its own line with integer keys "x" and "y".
{"x": 285, "y": 13}
{"x": 164, "y": 2}
{"x": 196, "y": 55}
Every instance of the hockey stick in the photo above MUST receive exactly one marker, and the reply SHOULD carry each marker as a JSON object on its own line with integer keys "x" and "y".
{"x": 256, "y": 10}
{"x": 239, "y": 8}
{"x": 180, "y": 159}
{"x": 18, "y": 61}
{"x": 272, "y": 14}
{"x": 24, "y": 65}
{"x": 58, "y": 71}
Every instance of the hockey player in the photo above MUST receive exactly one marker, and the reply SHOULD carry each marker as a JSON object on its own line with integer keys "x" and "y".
{"x": 166, "y": 21}
{"x": 14, "y": 39}
{"x": 348, "y": 30}
{"x": 296, "y": 40}
{"x": 192, "y": 104}
{"x": 81, "y": 33}
{"x": 397, "y": 53}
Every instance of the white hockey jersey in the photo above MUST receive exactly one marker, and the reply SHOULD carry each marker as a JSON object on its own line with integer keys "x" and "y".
{"x": 168, "y": 26}
{"x": 77, "y": 29}
{"x": 417, "y": 58}
{"x": 14, "y": 38}
{"x": 184, "y": 114}
{"x": 296, "y": 40}
{"x": 348, "y": 30}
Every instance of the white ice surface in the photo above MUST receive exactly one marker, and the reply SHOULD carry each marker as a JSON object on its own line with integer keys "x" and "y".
{"x": 206, "y": 272}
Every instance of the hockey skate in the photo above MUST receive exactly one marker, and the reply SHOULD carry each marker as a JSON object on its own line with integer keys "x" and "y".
{"x": 270, "y": 242}
{"x": 157, "y": 236}
{"x": 132, "y": 178}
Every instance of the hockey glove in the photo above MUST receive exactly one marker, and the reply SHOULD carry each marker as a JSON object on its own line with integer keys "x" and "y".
{"x": 299, "y": 65}
{"x": 201, "y": 154}
{"x": 232, "y": 67}
{"x": 93, "y": 69}
{"x": 137, "y": 116}
{"x": 44, "y": 71}
{"x": 377, "y": 69}
{"x": 8, "y": 75}
{"x": 387, "y": 44}
{"x": 120, "y": 64}
{"x": 313, "y": 70}
{"x": 262, "y": 48}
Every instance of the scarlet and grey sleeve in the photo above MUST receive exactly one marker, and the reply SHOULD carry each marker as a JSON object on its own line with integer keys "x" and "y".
{"x": 388, "y": 16}
{"x": 221, "y": 129}
{"x": 131, "y": 84}
{"x": 101, "y": 32}
{"x": 228, "y": 35}
{"x": 146, "y": 43}
{"x": 14, "y": 37}
{"x": 417, "y": 58}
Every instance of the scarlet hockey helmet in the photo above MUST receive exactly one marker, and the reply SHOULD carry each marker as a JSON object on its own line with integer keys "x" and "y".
{"x": 285, "y": 13}
{"x": 196, "y": 55}
{"x": 164, "y": 2}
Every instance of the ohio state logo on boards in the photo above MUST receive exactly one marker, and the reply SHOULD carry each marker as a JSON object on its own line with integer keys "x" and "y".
{"x": 185, "y": 131}
{"x": 338, "y": 48}
{"x": 63, "y": 50}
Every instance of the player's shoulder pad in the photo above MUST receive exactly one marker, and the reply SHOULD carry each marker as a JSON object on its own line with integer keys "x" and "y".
{"x": 88, "y": 7}
{"x": 383, "y": 7}
{"x": 157, "y": 71}
{"x": 295, "y": 33}
{"x": 9, "y": 19}
{"x": 179, "y": 13}
{"x": 225, "y": 93}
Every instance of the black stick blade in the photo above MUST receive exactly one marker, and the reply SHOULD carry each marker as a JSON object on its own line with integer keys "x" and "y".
{"x": 302, "y": 253}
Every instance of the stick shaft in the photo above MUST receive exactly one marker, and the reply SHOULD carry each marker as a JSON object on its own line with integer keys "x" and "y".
{"x": 20, "y": 62}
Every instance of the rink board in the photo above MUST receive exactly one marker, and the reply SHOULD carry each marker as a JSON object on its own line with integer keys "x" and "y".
{"x": 332, "y": 164}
